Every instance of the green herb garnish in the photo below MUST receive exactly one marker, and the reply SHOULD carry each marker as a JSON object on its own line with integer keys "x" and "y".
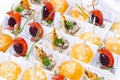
{"x": 49, "y": 21}
{"x": 46, "y": 61}
{"x": 37, "y": 1}
{"x": 20, "y": 9}
{"x": 59, "y": 41}
{"x": 69, "y": 25}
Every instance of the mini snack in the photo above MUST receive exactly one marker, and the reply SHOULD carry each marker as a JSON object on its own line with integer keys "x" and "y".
{"x": 79, "y": 13}
{"x": 48, "y": 12}
{"x": 82, "y": 52}
{"x": 35, "y": 30}
{"x": 15, "y": 18}
{"x": 69, "y": 27}
{"x": 71, "y": 69}
{"x": 106, "y": 58}
{"x": 62, "y": 5}
{"x": 116, "y": 27}
{"x": 47, "y": 60}
{"x": 5, "y": 42}
{"x": 20, "y": 46}
{"x": 113, "y": 44}
{"x": 10, "y": 72}
{"x": 58, "y": 43}
{"x": 29, "y": 74}
{"x": 92, "y": 37}
{"x": 91, "y": 76}
{"x": 98, "y": 17}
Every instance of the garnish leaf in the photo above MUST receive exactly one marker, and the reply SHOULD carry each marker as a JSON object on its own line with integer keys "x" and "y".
{"x": 59, "y": 41}
{"x": 69, "y": 25}
{"x": 20, "y": 9}
{"x": 46, "y": 61}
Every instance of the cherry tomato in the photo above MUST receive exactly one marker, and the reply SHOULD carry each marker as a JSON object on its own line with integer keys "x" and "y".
{"x": 14, "y": 16}
{"x": 20, "y": 46}
{"x": 99, "y": 16}
{"x": 106, "y": 53}
{"x": 34, "y": 27}
{"x": 47, "y": 10}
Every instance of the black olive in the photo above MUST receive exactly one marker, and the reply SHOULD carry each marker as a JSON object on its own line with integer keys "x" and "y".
{"x": 96, "y": 18}
{"x": 104, "y": 60}
{"x": 18, "y": 48}
{"x": 45, "y": 12}
{"x": 11, "y": 22}
{"x": 33, "y": 31}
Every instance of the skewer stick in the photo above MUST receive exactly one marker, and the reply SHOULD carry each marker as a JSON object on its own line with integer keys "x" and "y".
{"x": 94, "y": 25}
{"x": 16, "y": 30}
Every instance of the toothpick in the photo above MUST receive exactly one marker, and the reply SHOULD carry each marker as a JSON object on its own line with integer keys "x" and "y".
{"x": 16, "y": 30}
{"x": 94, "y": 25}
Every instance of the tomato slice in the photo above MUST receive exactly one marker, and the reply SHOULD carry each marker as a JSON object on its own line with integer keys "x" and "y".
{"x": 20, "y": 40}
{"x": 38, "y": 26}
{"x": 58, "y": 77}
{"x": 17, "y": 18}
{"x": 109, "y": 55}
{"x": 99, "y": 15}
{"x": 50, "y": 9}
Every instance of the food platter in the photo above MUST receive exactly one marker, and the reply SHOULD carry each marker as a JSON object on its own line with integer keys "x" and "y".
{"x": 73, "y": 40}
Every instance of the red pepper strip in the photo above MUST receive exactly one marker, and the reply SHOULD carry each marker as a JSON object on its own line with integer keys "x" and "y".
{"x": 109, "y": 55}
{"x": 20, "y": 40}
{"x": 99, "y": 14}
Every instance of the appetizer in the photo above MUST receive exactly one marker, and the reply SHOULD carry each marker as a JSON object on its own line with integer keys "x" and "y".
{"x": 5, "y": 42}
{"x": 29, "y": 74}
{"x": 20, "y": 46}
{"x": 58, "y": 43}
{"x": 69, "y": 27}
{"x": 24, "y": 9}
{"x": 35, "y": 30}
{"x": 98, "y": 17}
{"x": 113, "y": 44}
{"x": 15, "y": 18}
{"x": 92, "y": 37}
{"x": 91, "y": 76}
{"x": 47, "y": 60}
{"x": 82, "y": 14}
{"x": 106, "y": 58}
{"x": 48, "y": 12}
{"x": 116, "y": 27}
{"x": 82, "y": 52}
{"x": 71, "y": 70}
{"x": 61, "y": 5}
{"x": 10, "y": 72}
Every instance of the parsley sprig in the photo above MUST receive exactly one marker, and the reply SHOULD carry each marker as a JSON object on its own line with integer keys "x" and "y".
{"x": 69, "y": 25}
{"x": 59, "y": 41}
